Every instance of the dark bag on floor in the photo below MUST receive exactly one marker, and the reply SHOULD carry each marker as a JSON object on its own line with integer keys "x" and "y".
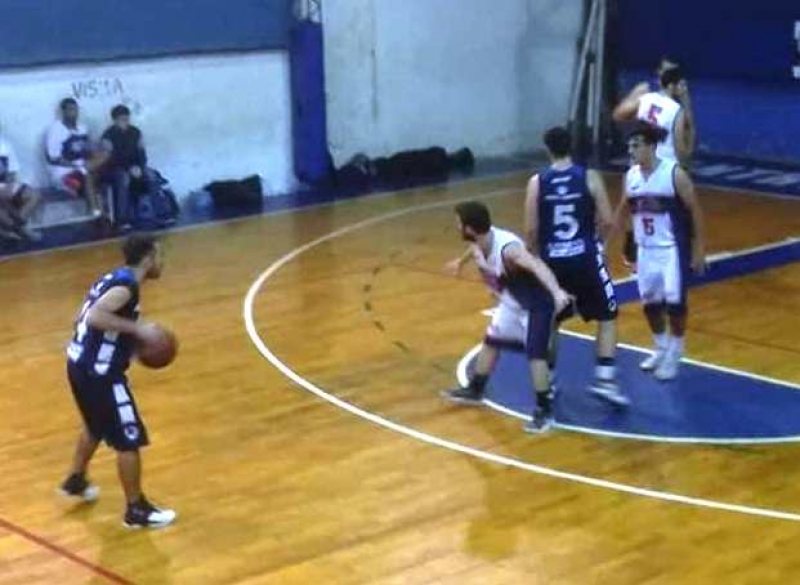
{"x": 430, "y": 164}
{"x": 157, "y": 207}
{"x": 246, "y": 193}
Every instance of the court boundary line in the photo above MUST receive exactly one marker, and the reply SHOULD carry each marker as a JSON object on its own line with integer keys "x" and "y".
{"x": 283, "y": 368}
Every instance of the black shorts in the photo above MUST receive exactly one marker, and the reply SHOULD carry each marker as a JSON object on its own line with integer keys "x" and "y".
{"x": 587, "y": 279}
{"x": 108, "y": 409}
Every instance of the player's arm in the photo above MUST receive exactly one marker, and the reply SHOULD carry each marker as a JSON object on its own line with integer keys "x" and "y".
{"x": 532, "y": 214}
{"x": 626, "y": 109}
{"x": 685, "y": 190}
{"x": 453, "y": 268}
{"x": 597, "y": 189}
{"x": 621, "y": 217}
{"x": 689, "y": 128}
{"x": 103, "y": 315}
{"x": 684, "y": 137}
{"x": 518, "y": 257}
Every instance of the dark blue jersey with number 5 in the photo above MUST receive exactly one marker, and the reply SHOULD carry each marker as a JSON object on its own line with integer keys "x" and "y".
{"x": 566, "y": 214}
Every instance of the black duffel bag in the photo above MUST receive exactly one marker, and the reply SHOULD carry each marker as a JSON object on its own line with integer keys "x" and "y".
{"x": 246, "y": 193}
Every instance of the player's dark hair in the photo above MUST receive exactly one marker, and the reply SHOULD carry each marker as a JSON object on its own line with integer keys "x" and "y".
{"x": 670, "y": 76}
{"x": 119, "y": 111}
{"x": 558, "y": 141}
{"x": 649, "y": 133}
{"x": 475, "y": 215}
{"x": 137, "y": 247}
{"x": 68, "y": 101}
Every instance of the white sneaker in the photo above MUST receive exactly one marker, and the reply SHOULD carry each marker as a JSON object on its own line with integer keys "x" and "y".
{"x": 609, "y": 390}
{"x": 652, "y": 362}
{"x": 668, "y": 368}
{"x": 143, "y": 514}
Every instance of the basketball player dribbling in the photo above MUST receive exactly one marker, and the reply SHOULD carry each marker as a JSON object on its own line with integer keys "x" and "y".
{"x": 106, "y": 332}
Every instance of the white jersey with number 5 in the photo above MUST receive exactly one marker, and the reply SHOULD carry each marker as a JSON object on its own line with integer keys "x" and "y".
{"x": 654, "y": 204}
{"x": 662, "y": 111}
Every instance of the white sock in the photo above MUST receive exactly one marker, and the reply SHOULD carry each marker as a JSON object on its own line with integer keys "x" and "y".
{"x": 676, "y": 346}
{"x": 661, "y": 341}
{"x": 606, "y": 373}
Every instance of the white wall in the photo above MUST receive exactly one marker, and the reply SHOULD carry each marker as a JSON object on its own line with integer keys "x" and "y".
{"x": 488, "y": 74}
{"x": 203, "y": 118}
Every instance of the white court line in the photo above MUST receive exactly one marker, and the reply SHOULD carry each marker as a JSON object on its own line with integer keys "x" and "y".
{"x": 463, "y": 380}
{"x": 438, "y": 441}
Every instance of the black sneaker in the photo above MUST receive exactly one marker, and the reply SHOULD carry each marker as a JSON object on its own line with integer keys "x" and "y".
{"x": 78, "y": 487}
{"x": 467, "y": 396}
{"x": 143, "y": 514}
{"x": 609, "y": 390}
{"x": 541, "y": 421}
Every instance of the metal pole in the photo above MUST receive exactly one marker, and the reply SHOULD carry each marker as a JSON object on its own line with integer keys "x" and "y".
{"x": 578, "y": 81}
{"x": 600, "y": 70}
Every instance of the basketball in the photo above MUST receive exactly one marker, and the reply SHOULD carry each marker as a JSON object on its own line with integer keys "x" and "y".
{"x": 158, "y": 353}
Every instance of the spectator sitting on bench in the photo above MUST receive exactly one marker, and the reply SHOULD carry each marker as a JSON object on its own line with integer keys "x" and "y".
{"x": 72, "y": 162}
{"x": 126, "y": 165}
{"x": 17, "y": 200}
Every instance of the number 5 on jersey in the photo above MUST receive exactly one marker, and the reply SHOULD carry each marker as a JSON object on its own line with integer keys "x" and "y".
{"x": 565, "y": 222}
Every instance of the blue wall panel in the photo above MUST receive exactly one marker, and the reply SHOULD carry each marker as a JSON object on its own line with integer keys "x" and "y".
{"x": 312, "y": 162}
{"x": 739, "y": 58}
{"x": 743, "y": 39}
{"x": 36, "y": 32}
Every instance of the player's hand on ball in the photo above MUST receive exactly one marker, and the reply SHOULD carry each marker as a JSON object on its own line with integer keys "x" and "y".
{"x": 147, "y": 333}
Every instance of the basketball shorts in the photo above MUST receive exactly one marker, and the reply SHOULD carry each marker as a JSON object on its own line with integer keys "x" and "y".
{"x": 108, "y": 408}
{"x": 508, "y": 328}
{"x": 68, "y": 178}
{"x": 662, "y": 274}
{"x": 586, "y": 278}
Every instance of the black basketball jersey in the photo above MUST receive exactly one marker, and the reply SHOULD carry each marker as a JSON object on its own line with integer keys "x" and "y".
{"x": 105, "y": 352}
{"x": 566, "y": 214}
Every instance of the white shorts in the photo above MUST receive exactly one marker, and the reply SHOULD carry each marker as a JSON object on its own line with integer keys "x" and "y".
{"x": 661, "y": 275}
{"x": 509, "y": 325}
{"x": 58, "y": 173}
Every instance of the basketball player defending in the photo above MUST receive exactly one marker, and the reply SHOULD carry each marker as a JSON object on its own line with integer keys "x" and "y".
{"x": 658, "y": 193}
{"x": 100, "y": 352}
{"x": 565, "y": 208}
{"x": 528, "y": 298}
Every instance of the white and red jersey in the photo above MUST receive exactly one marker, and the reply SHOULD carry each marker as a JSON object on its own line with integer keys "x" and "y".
{"x": 654, "y": 205}
{"x": 662, "y": 111}
{"x": 492, "y": 267}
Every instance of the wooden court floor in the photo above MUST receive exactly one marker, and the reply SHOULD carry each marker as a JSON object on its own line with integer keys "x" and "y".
{"x": 275, "y": 485}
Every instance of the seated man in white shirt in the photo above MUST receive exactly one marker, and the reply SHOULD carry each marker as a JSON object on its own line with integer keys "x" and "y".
{"x": 71, "y": 158}
{"x": 17, "y": 200}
